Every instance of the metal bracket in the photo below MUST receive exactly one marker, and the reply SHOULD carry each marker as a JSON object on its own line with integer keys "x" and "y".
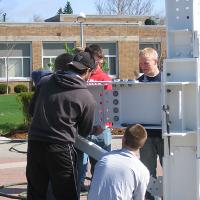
{"x": 89, "y": 147}
{"x": 155, "y": 186}
{"x": 168, "y": 122}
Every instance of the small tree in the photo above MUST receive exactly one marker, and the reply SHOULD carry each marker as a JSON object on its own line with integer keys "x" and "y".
{"x": 69, "y": 50}
{"x": 150, "y": 21}
{"x": 25, "y": 98}
{"x": 60, "y": 11}
{"x": 68, "y": 8}
{"x": 105, "y": 66}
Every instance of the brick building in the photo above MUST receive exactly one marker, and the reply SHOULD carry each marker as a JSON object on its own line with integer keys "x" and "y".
{"x": 29, "y": 46}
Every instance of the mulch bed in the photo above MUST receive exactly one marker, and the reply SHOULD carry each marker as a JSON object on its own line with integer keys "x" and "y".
{"x": 23, "y": 134}
{"x": 19, "y": 134}
{"x": 118, "y": 131}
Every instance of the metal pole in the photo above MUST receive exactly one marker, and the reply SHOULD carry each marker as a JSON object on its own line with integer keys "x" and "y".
{"x": 4, "y": 17}
{"x": 81, "y": 33}
{"x": 7, "y": 81}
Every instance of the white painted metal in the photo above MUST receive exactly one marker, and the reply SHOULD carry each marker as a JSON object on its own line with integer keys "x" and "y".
{"x": 89, "y": 147}
{"x": 155, "y": 186}
{"x": 128, "y": 103}
{"x": 180, "y": 92}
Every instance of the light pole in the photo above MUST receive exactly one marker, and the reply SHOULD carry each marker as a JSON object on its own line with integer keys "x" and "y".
{"x": 4, "y": 17}
{"x": 81, "y": 18}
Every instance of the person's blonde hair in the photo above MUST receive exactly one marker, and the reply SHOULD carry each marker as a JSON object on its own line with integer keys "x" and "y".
{"x": 149, "y": 52}
{"x": 135, "y": 136}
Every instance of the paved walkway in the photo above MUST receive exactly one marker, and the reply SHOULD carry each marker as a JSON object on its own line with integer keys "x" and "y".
{"x": 13, "y": 164}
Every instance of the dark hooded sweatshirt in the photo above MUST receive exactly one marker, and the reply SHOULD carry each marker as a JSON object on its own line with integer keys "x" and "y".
{"x": 62, "y": 107}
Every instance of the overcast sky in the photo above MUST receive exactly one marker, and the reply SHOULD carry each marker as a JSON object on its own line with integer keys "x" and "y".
{"x": 24, "y": 10}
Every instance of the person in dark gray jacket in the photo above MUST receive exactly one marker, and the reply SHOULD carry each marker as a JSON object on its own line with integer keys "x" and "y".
{"x": 62, "y": 107}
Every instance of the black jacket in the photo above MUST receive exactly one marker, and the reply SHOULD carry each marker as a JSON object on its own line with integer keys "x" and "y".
{"x": 144, "y": 78}
{"x": 62, "y": 107}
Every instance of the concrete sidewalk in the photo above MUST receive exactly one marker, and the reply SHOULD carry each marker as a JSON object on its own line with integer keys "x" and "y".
{"x": 13, "y": 166}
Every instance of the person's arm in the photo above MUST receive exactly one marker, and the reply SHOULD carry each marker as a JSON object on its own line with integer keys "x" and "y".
{"x": 86, "y": 121}
{"x": 140, "y": 191}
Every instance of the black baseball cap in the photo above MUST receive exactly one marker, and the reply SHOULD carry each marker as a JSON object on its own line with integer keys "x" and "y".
{"x": 83, "y": 60}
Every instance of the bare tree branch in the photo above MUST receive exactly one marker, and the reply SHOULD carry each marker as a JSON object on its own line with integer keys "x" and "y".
{"x": 124, "y": 7}
{"x": 99, "y": 7}
{"x": 1, "y": 13}
{"x": 37, "y": 18}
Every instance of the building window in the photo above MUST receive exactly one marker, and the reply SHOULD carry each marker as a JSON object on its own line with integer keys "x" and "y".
{"x": 110, "y": 54}
{"x": 51, "y": 50}
{"x": 155, "y": 45}
{"x": 15, "y": 59}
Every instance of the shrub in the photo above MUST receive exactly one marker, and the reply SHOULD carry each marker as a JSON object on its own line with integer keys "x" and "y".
{"x": 33, "y": 88}
{"x": 149, "y": 21}
{"x": 25, "y": 99}
{"x": 3, "y": 88}
{"x": 20, "y": 88}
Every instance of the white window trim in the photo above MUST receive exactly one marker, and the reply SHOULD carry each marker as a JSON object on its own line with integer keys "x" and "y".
{"x": 53, "y": 42}
{"x": 111, "y": 55}
{"x": 49, "y": 57}
{"x": 16, "y": 78}
{"x": 4, "y": 79}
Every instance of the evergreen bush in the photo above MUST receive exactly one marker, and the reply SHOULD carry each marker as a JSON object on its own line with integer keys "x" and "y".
{"x": 20, "y": 88}
{"x": 3, "y": 88}
{"x": 25, "y": 99}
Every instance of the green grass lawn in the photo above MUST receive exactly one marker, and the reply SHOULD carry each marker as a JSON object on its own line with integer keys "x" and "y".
{"x": 11, "y": 116}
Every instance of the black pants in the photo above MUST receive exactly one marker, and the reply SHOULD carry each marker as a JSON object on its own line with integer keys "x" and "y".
{"x": 55, "y": 163}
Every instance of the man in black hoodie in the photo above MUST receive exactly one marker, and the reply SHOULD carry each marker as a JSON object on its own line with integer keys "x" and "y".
{"x": 62, "y": 107}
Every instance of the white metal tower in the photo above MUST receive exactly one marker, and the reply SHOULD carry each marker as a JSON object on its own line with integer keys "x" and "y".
{"x": 181, "y": 100}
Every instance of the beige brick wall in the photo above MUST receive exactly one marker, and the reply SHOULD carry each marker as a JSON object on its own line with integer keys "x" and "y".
{"x": 128, "y": 59}
{"x": 36, "y": 55}
{"x": 97, "y": 18}
{"x": 126, "y": 37}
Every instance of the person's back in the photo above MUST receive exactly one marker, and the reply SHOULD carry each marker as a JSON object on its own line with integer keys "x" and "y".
{"x": 120, "y": 174}
{"x": 60, "y": 97}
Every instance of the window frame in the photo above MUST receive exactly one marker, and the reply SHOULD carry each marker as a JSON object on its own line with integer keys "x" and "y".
{"x": 107, "y": 56}
{"x": 53, "y": 57}
{"x": 6, "y": 58}
{"x": 148, "y": 44}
